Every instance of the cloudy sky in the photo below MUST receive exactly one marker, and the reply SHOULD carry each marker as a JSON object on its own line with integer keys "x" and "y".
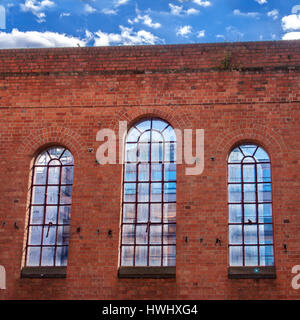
{"x": 61, "y": 23}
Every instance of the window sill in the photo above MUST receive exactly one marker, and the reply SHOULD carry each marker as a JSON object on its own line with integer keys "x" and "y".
{"x": 252, "y": 272}
{"x": 147, "y": 272}
{"x": 44, "y": 272}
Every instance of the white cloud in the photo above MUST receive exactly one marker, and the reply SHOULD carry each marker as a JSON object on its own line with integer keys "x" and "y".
{"x": 291, "y": 36}
{"x": 64, "y": 14}
{"x": 175, "y": 10}
{"x": 291, "y": 22}
{"x": 184, "y": 31}
{"x": 274, "y": 14}
{"x": 178, "y": 10}
{"x": 261, "y": 1}
{"x": 126, "y": 37}
{"x": 202, "y": 3}
{"x": 37, "y": 8}
{"x": 192, "y": 11}
{"x": 146, "y": 20}
{"x": 89, "y": 9}
{"x": 121, "y": 2}
{"x": 109, "y": 11}
{"x": 237, "y": 12}
{"x": 201, "y": 34}
{"x": 35, "y": 39}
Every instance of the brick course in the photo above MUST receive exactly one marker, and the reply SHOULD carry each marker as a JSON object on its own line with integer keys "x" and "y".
{"x": 241, "y": 92}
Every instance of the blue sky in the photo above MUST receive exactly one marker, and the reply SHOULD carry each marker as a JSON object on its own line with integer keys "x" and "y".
{"x": 60, "y": 23}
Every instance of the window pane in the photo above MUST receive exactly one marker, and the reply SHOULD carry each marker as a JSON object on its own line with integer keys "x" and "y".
{"x": 128, "y": 212}
{"x": 263, "y": 172}
{"x": 67, "y": 175}
{"x": 129, "y": 192}
{"x": 133, "y": 135}
{"x": 159, "y": 125}
{"x": 156, "y": 152}
{"x": 143, "y": 172}
{"x": 51, "y": 214}
{"x": 127, "y": 255}
{"x": 143, "y": 125}
{"x": 249, "y": 193}
{"x": 33, "y": 256}
{"x": 157, "y": 137}
{"x": 67, "y": 158}
{"x": 155, "y": 256}
{"x": 250, "y": 213}
{"x": 249, "y": 173}
{"x": 156, "y": 192}
{"x": 235, "y": 193}
{"x": 145, "y": 137}
{"x": 52, "y": 195}
{"x": 251, "y": 256}
{"x": 37, "y": 215}
{"x": 55, "y": 152}
{"x": 169, "y": 256}
{"x": 43, "y": 158}
{"x": 141, "y": 234}
{"x": 142, "y": 212}
{"x": 235, "y": 156}
{"x": 169, "y": 234}
{"x": 248, "y": 150}
{"x": 250, "y": 234}
{"x": 49, "y": 235}
{"x": 169, "y": 134}
{"x": 156, "y": 172}
{"x": 266, "y": 255}
{"x": 64, "y": 214}
{"x": 53, "y": 175}
{"x": 35, "y": 235}
{"x": 141, "y": 256}
{"x": 155, "y": 209}
{"x": 131, "y": 152}
{"x": 170, "y": 171}
{"x": 170, "y": 191}
{"x": 266, "y": 234}
{"x": 261, "y": 155}
{"x": 143, "y": 192}
{"x": 144, "y": 152}
{"x": 170, "y": 152}
{"x": 38, "y": 195}
{"x": 40, "y": 174}
{"x": 236, "y": 256}
{"x": 235, "y": 234}
{"x": 66, "y": 194}
{"x": 63, "y": 233}
{"x": 235, "y": 213}
{"x": 61, "y": 256}
{"x": 128, "y": 234}
{"x": 155, "y": 234}
{"x": 48, "y": 256}
{"x": 170, "y": 212}
{"x": 264, "y": 192}
{"x": 265, "y": 212}
{"x": 234, "y": 173}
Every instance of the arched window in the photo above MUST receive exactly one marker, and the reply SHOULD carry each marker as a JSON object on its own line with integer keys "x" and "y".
{"x": 148, "y": 234}
{"x": 250, "y": 207}
{"x": 50, "y": 208}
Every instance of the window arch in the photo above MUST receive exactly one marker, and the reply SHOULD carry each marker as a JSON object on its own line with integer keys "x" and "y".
{"x": 50, "y": 208}
{"x": 250, "y": 207}
{"x": 148, "y": 226}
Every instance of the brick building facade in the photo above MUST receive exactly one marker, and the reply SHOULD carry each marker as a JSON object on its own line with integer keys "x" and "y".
{"x": 242, "y": 93}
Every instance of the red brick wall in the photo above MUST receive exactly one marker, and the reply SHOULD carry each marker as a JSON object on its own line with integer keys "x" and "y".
{"x": 236, "y": 92}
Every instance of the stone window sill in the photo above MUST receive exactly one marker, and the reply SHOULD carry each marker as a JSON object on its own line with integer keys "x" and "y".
{"x": 147, "y": 272}
{"x": 252, "y": 272}
{"x": 44, "y": 272}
